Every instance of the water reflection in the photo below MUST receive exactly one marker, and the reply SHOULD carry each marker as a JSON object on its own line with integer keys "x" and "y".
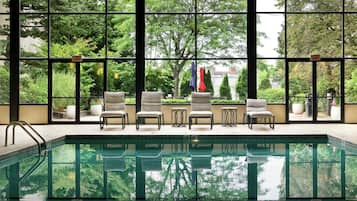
{"x": 178, "y": 170}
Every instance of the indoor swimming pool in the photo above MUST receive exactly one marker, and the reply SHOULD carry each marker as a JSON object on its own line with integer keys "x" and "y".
{"x": 184, "y": 168}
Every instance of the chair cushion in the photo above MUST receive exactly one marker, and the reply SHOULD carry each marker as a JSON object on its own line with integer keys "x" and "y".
{"x": 148, "y": 114}
{"x": 201, "y": 113}
{"x": 259, "y": 113}
{"x": 113, "y": 113}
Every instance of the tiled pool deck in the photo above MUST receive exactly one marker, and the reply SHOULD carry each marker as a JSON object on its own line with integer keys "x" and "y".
{"x": 346, "y": 132}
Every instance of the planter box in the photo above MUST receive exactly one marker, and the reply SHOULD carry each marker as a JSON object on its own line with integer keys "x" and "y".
{"x": 298, "y": 108}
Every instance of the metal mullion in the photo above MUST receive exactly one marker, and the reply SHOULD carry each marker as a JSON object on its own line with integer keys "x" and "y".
{"x": 77, "y": 13}
{"x": 189, "y": 59}
{"x": 49, "y": 91}
{"x": 120, "y": 13}
{"x": 315, "y": 12}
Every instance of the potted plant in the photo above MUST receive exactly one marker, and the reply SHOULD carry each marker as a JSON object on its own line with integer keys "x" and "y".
{"x": 95, "y": 106}
{"x": 298, "y": 105}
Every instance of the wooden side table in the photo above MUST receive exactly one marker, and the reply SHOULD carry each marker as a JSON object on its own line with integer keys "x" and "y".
{"x": 229, "y": 116}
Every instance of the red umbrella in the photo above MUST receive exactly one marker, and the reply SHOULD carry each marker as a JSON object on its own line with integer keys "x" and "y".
{"x": 202, "y": 86}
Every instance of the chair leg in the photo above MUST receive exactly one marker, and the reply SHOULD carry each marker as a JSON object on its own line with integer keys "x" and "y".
{"x": 101, "y": 126}
{"x": 127, "y": 118}
{"x": 137, "y": 123}
{"x": 189, "y": 122}
{"x": 123, "y": 122}
{"x": 211, "y": 121}
{"x": 159, "y": 122}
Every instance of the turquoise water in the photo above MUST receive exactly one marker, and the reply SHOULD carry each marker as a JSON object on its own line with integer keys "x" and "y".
{"x": 184, "y": 168}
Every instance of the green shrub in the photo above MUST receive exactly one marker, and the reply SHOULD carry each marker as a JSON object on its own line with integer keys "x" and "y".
{"x": 208, "y": 82}
{"x": 242, "y": 85}
{"x": 175, "y": 101}
{"x": 185, "y": 89}
{"x": 225, "y": 89}
{"x": 4, "y": 86}
{"x": 272, "y": 95}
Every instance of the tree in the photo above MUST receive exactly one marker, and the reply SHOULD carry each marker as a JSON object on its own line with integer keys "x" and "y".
{"x": 173, "y": 36}
{"x": 225, "y": 89}
{"x": 242, "y": 85}
{"x": 208, "y": 82}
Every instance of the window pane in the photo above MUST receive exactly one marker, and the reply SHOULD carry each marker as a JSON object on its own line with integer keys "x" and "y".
{"x": 222, "y": 36}
{"x": 270, "y": 35}
{"x": 4, "y": 6}
{"x": 121, "y": 36}
{"x": 33, "y": 40}
{"x": 350, "y": 5}
{"x": 270, "y": 6}
{"x": 350, "y": 35}
{"x": 121, "y": 77}
{"x": 226, "y": 178}
{"x": 314, "y": 6}
{"x": 329, "y": 171}
{"x": 33, "y": 82}
{"x": 169, "y": 6}
{"x": 350, "y": 81}
{"x": 271, "y": 80}
{"x": 121, "y": 5}
{"x": 160, "y": 76}
{"x": 4, "y": 82}
{"x": 314, "y": 34}
{"x": 33, "y": 6}
{"x": 170, "y": 36}
{"x": 228, "y": 78}
{"x": 4, "y": 36}
{"x": 222, "y": 6}
{"x": 77, "y": 34}
{"x": 351, "y": 176}
{"x": 77, "y": 5}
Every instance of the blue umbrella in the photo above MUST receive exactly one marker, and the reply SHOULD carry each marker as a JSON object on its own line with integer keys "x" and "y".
{"x": 193, "y": 76}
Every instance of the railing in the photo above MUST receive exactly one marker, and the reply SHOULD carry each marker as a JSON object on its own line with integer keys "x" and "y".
{"x": 25, "y": 125}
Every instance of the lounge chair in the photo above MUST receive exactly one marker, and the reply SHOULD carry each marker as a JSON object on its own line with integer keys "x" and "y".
{"x": 113, "y": 157}
{"x": 200, "y": 107}
{"x": 201, "y": 155}
{"x": 114, "y": 107}
{"x": 257, "y": 109}
{"x": 150, "y": 108}
{"x": 151, "y": 157}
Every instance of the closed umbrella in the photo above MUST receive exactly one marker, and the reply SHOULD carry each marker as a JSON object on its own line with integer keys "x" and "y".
{"x": 202, "y": 86}
{"x": 193, "y": 77}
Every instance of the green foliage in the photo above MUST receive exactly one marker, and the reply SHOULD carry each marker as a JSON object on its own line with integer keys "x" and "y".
{"x": 272, "y": 95}
{"x": 4, "y": 85}
{"x": 121, "y": 77}
{"x": 225, "y": 89}
{"x": 351, "y": 88}
{"x": 242, "y": 85}
{"x": 299, "y": 98}
{"x": 35, "y": 91}
{"x": 175, "y": 101}
{"x": 208, "y": 82}
{"x": 225, "y": 101}
{"x": 185, "y": 89}
{"x": 265, "y": 84}
{"x": 158, "y": 79}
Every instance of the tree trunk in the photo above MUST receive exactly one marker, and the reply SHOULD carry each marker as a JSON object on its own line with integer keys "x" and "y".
{"x": 176, "y": 84}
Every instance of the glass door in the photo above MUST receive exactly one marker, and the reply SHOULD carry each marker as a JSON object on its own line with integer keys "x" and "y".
{"x": 76, "y": 91}
{"x": 328, "y": 79}
{"x": 63, "y": 96}
{"x": 314, "y": 91}
{"x": 300, "y": 90}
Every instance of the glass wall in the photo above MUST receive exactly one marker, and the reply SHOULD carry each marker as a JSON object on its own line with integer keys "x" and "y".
{"x": 207, "y": 36}
{"x": 4, "y": 51}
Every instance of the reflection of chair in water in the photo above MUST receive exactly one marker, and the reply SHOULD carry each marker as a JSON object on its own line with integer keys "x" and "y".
{"x": 113, "y": 157}
{"x": 150, "y": 157}
{"x": 259, "y": 153}
{"x": 201, "y": 155}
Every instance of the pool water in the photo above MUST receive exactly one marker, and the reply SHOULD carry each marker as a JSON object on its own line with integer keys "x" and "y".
{"x": 184, "y": 168}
